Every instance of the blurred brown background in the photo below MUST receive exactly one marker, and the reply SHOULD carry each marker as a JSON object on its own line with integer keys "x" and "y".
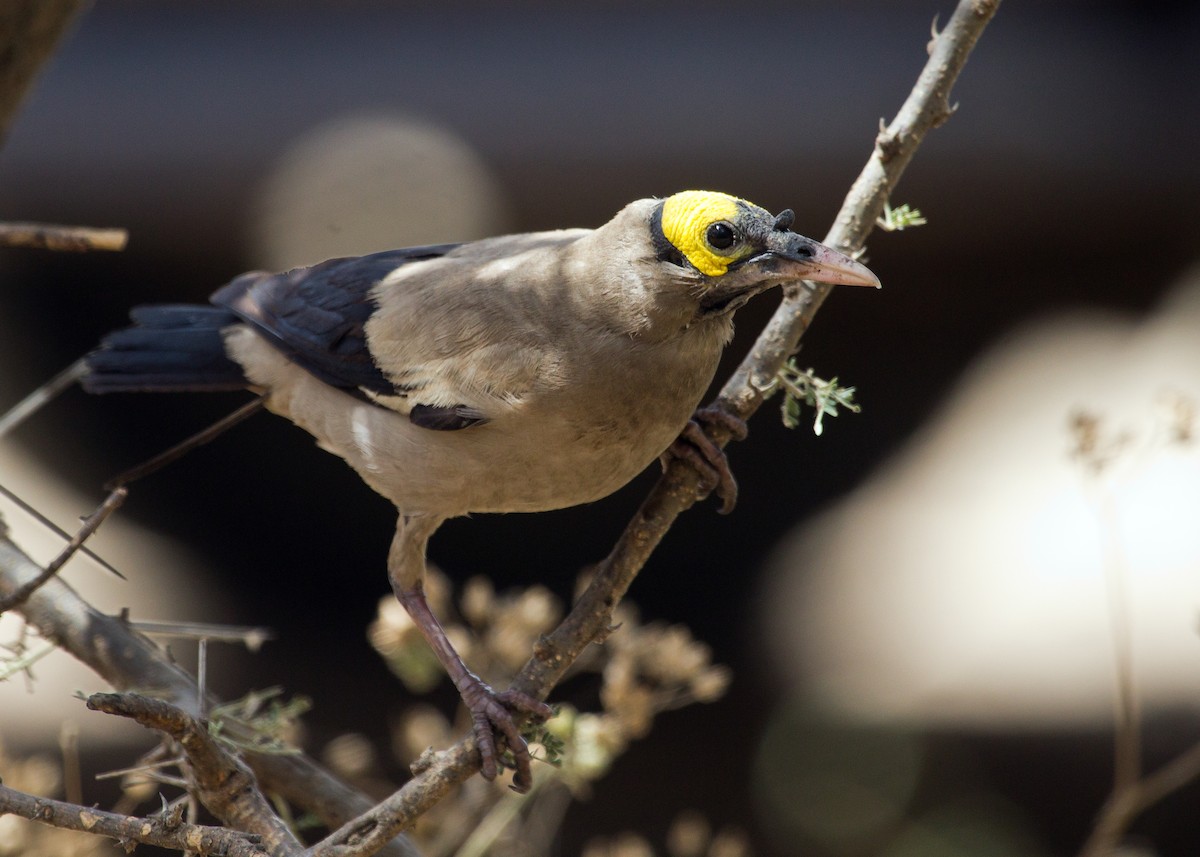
{"x": 228, "y": 136}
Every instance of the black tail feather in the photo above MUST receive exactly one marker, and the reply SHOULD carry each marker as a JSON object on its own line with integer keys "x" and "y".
{"x": 170, "y": 348}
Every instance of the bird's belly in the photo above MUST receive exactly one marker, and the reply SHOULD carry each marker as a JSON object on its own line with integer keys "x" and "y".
{"x": 496, "y": 467}
{"x": 513, "y": 465}
{"x": 554, "y": 452}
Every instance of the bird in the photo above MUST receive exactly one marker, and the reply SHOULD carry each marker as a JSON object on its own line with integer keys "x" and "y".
{"x": 519, "y": 373}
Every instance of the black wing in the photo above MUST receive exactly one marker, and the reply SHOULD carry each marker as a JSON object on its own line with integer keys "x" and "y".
{"x": 316, "y": 315}
{"x": 452, "y": 418}
{"x": 169, "y": 348}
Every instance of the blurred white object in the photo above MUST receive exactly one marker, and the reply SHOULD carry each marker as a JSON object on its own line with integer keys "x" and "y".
{"x": 360, "y": 184}
{"x": 164, "y": 584}
{"x": 964, "y": 584}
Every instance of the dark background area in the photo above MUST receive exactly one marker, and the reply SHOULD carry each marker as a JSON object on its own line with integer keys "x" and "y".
{"x": 1068, "y": 177}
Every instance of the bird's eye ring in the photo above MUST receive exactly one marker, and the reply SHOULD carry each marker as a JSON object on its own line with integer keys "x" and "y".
{"x": 720, "y": 235}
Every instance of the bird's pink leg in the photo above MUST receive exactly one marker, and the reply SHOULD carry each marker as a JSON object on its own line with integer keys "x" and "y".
{"x": 491, "y": 712}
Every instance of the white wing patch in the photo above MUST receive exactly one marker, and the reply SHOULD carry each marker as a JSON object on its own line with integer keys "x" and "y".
{"x": 399, "y": 404}
{"x": 360, "y": 429}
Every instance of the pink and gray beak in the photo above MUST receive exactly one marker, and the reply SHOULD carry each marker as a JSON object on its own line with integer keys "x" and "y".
{"x": 786, "y": 256}
{"x": 804, "y": 259}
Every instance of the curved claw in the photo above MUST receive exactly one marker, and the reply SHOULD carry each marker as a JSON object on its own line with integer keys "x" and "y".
{"x": 492, "y": 713}
{"x": 715, "y": 416}
{"x": 698, "y": 449}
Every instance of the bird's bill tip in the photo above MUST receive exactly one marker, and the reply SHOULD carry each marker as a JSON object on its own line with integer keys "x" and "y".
{"x": 826, "y": 265}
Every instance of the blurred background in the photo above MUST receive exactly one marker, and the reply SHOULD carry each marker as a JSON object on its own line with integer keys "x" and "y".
{"x": 917, "y": 605}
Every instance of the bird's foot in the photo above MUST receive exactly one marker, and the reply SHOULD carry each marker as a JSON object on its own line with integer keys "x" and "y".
{"x": 698, "y": 449}
{"x": 492, "y": 713}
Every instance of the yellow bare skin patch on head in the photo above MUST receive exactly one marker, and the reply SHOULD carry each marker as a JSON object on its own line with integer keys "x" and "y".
{"x": 686, "y": 217}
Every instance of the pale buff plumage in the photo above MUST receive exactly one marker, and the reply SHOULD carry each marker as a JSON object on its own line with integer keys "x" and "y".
{"x": 576, "y": 357}
{"x": 584, "y": 380}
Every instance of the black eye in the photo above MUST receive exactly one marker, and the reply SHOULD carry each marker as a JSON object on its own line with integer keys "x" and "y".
{"x": 720, "y": 236}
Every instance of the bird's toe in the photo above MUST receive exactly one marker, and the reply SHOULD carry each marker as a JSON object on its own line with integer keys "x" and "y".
{"x": 700, "y": 451}
{"x": 492, "y": 714}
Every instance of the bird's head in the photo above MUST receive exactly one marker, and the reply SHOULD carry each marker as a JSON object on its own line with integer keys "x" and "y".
{"x": 727, "y": 250}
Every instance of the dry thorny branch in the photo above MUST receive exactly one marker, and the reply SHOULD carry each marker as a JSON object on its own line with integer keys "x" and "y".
{"x": 644, "y": 670}
{"x": 221, "y": 781}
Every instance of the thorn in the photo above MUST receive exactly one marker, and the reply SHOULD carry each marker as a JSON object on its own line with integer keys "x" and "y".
{"x": 174, "y": 817}
{"x": 944, "y": 114}
{"x": 607, "y": 631}
{"x": 59, "y": 531}
{"x": 888, "y": 145}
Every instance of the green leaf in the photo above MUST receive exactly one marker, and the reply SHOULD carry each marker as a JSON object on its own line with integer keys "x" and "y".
{"x": 900, "y": 218}
{"x": 802, "y": 387}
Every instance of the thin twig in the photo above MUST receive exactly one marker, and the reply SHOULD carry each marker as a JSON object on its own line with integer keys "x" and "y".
{"x": 90, "y": 524}
{"x": 180, "y": 783}
{"x": 67, "y": 239}
{"x": 182, "y": 448}
{"x": 251, "y": 636}
{"x": 24, "y": 661}
{"x": 42, "y": 396}
{"x": 1127, "y": 803}
{"x": 926, "y": 108}
{"x": 116, "y": 487}
{"x": 496, "y": 820}
{"x": 146, "y": 769}
{"x": 32, "y": 512}
{"x": 68, "y": 745}
{"x": 58, "y": 531}
{"x": 1127, "y": 734}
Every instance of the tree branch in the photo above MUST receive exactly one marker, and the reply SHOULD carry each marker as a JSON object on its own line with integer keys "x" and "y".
{"x": 65, "y": 239}
{"x": 926, "y": 108}
{"x": 166, "y": 831}
{"x": 129, "y": 661}
{"x": 222, "y": 783}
